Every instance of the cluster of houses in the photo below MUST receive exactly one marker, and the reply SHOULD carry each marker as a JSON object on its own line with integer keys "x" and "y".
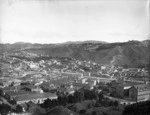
{"x": 126, "y": 91}
{"x": 64, "y": 80}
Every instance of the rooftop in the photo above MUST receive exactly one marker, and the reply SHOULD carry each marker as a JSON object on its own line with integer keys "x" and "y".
{"x": 17, "y": 93}
{"x": 142, "y": 87}
{"x": 35, "y": 96}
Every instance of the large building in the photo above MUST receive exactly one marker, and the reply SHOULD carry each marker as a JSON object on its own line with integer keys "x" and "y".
{"x": 139, "y": 92}
{"x": 35, "y": 98}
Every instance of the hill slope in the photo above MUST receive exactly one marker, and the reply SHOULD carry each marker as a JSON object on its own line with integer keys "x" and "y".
{"x": 59, "y": 110}
{"x": 132, "y": 53}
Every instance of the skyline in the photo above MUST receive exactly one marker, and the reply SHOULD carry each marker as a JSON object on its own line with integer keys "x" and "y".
{"x": 58, "y": 21}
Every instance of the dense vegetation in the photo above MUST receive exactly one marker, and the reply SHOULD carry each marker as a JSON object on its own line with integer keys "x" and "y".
{"x": 141, "y": 108}
{"x": 80, "y": 102}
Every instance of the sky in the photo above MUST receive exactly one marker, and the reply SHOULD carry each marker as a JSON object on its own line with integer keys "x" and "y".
{"x": 57, "y": 21}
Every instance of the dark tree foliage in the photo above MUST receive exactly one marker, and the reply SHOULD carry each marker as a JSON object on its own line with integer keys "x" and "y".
{"x": 13, "y": 102}
{"x": 71, "y": 99}
{"x": 94, "y": 113}
{"x": 90, "y": 94}
{"x": 4, "y": 109}
{"x": 83, "y": 111}
{"x": 25, "y": 83}
{"x": 101, "y": 97}
{"x": 19, "y": 109}
{"x": 7, "y": 97}
{"x": 1, "y": 92}
{"x": 62, "y": 100}
{"x": 49, "y": 103}
{"x": 46, "y": 104}
{"x": 78, "y": 96}
{"x": 141, "y": 108}
{"x": 116, "y": 103}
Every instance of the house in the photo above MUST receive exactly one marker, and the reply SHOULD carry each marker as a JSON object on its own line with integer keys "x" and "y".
{"x": 139, "y": 92}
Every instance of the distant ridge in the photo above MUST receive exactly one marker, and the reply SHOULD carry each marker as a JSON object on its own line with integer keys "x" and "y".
{"x": 132, "y": 53}
{"x": 68, "y": 42}
{"x": 79, "y": 42}
{"x": 22, "y": 43}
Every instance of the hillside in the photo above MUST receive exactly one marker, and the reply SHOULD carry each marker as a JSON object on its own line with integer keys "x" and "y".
{"x": 60, "y": 110}
{"x": 132, "y": 53}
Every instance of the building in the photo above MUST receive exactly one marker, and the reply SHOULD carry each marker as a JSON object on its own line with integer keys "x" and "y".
{"x": 100, "y": 79}
{"x": 89, "y": 81}
{"x": 13, "y": 94}
{"x": 35, "y": 97}
{"x": 139, "y": 92}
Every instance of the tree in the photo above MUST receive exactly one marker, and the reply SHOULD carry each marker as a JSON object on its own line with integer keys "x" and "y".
{"x": 79, "y": 96}
{"x": 97, "y": 104}
{"x": 1, "y": 92}
{"x": 82, "y": 111}
{"x": 116, "y": 103}
{"x": 90, "y": 94}
{"x": 101, "y": 97}
{"x": 47, "y": 103}
{"x": 4, "y": 109}
{"x": 54, "y": 103}
{"x": 19, "y": 109}
{"x": 13, "y": 102}
{"x": 71, "y": 99}
{"x": 7, "y": 97}
{"x": 94, "y": 113}
{"x": 141, "y": 108}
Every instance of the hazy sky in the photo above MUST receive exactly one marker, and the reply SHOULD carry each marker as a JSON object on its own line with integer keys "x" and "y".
{"x": 55, "y": 21}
